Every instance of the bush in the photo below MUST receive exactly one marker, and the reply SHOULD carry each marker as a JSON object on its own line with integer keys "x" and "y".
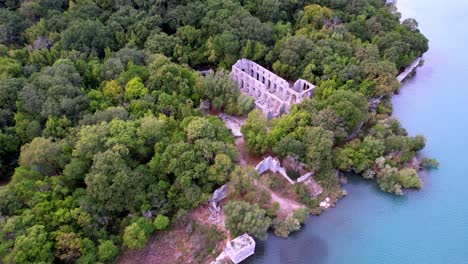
{"x": 419, "y": 142}
{"x": 272, "y": 211}
{"x": 107, "y": 251}
{"x": 301, "y": 214}
{"x": 161, "y": 222}
{"x": 136, "y": 234}
{"x": 286, "y": 227}
{"x": 391, "y": 180}
{"x": 429, "y": 163}
{"x": 242, "y": 217}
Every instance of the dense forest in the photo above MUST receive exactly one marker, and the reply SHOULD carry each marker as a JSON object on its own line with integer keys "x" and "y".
{"x": 101, "y": 133}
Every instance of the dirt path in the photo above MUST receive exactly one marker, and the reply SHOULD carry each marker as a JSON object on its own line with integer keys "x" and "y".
{"x": 287, "y": 206}
{"x": 244, "y": 158}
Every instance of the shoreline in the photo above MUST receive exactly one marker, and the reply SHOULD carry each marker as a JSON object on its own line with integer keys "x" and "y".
{"x": 409, "y": 71}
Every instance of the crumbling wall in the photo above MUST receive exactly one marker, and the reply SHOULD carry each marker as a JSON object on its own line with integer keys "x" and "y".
{"x": 273, "y": 95}
{"x": 274, "y": 165}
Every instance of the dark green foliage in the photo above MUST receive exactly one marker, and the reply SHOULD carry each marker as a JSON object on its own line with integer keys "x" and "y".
{"x": 284, "y": 227}
{"x": 427, "y": 163}
{"x": 88, "y": 36}
{"x": 255, "y": 132}
{"x": 100, "y": 122}
{"x": 225, "y": 95}
{"x": 242, "y": 217}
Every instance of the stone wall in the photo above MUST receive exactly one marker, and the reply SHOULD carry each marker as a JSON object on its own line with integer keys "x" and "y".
{"x": 274, "y": 165}
{"x": 273, "y": 95}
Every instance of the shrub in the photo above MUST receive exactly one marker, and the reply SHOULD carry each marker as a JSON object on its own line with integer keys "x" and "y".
{"x": 429, "y": 163}
{"x": 242, "y": 217}
{"x": 107, "y": 251}
{"x": 161, "y": 222}
{"x": 301, "y": 214}
{"x": 284, "y": 228}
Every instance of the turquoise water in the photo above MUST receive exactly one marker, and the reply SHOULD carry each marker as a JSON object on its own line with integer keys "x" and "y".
{"x": 427, "y": 226}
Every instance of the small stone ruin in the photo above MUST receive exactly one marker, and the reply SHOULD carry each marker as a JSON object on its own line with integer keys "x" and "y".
{"x": 240, "y": 248}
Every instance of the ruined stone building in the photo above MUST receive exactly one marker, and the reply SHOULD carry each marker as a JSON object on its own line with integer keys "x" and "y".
{"x": 240, "y": 248}
{"x": 273, "y": 94}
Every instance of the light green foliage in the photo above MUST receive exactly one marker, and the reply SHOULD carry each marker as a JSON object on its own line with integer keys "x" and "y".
{"x": 33, "y": 247}
{"x": 314, "y": 15}
{"x": 161, "y": 222}
{"x": 136, "y": 234}
{"x": 113, "y": 92}
{"x": 242, "y": 217}
{"x": 358, "y": 155}
{"x": 44, "y": 154}
{"x": 221, "y": 168}
{"x": 392, "y": 180}
{"x": 135, "y": 89}
{"x": 9, "y": 68}
{"x": 200, "y": 128}
{"x": 57, "y": 127}
{"x": 112, "y": 182}
{"x": 107, "y": 251}
{"x": 255, "y": 132}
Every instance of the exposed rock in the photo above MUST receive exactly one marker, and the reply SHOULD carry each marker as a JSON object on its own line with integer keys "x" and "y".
{"x": 325, "y": 203}
{"x": 234, "y": 124}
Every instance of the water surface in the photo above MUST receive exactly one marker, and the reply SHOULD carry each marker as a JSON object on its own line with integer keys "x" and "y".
{"x": 427, "y": 226}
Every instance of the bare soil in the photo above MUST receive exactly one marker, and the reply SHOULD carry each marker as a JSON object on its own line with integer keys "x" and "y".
{"x": 194, "y": 240}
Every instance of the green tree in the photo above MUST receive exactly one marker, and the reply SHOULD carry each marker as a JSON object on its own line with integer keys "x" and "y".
{"x": 135, "y": 89}
{"x": 136, "y": 234}
{"x": 161, "y": 222}
{"x": 318, "y": 143}
{"x": 88, "y": 36}
{"x": 242, "y": 217}
{"x": 33, "y": 247}
{"x": 350, "y": 106}
{"x": 255, "y": 132}
{"x": 107, "y": 251}
{"x": 112, "y": 182}
{"x": 285, "y": 227}
{"x": 242, "y": 179}
{"x": 45, "y": 155}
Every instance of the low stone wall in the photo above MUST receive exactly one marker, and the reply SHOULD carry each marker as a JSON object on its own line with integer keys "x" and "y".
{"x": 402, "y": 76}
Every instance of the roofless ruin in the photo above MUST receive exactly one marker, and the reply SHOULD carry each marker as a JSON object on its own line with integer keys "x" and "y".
{"x": 273, "y": 94}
